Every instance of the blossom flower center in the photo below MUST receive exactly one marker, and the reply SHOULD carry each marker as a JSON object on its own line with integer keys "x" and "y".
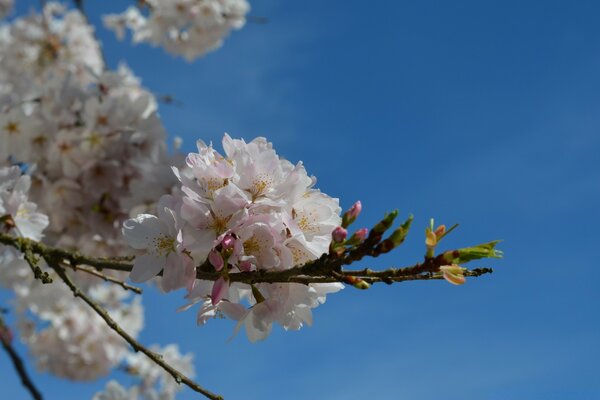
{"x": 163, "y": 245}
{"x": 12, "y": 127}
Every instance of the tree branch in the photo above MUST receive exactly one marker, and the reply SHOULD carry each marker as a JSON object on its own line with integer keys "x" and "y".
{"x": 137, "y": 346}
{"x": 318, "y": 271}
{"x": 17, "y": 362}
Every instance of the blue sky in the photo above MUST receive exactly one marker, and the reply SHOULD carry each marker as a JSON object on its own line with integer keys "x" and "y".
{"x": 483, "y": 113}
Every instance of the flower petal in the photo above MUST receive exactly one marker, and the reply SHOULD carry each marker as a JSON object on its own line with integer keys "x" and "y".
{"x": 146, "y": 267}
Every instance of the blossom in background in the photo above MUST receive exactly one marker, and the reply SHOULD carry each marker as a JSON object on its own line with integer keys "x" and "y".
{"x": 17, "y": 212}
{"x": 6, "y": 7}
{"x": 187, "y": 28}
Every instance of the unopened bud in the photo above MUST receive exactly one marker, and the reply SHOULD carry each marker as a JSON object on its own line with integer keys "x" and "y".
{"x": 350, "y": 216}
{"x": 339, "y": 234}
{"x": 484, "y": 250}
{"x": 384, "y": 224}
{"x": 358, "y": 237}
{"x": 361, "y": 234}
{"x": 216, "y": 259}
{"x": 227, "y": 242}
{"x": 397, "y": 237}
{"x": 356, "y": 282}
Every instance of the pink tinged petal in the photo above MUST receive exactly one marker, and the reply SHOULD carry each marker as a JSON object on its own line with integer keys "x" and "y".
{"x": 146, "y": 267}
{"x": 219, "y": 290}
{"x": 245, "y": 266}
{"x": 216, "y": 259}
{"x": 177, "y": 272}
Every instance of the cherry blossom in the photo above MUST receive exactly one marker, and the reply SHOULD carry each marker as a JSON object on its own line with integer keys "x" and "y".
{"x": 187, "y": 28}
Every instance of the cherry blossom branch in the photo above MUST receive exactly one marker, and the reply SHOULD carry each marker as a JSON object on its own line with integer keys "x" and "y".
{"x": 325, "y": 269}
{"x": 17, "y": 361}
{"x": 137, "y": 346}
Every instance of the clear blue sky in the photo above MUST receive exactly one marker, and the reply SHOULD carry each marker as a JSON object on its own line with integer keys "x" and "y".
{"x": 484, "y": 113}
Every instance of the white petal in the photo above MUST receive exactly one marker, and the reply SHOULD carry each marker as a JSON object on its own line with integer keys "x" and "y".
{"x": 146, "y": 267}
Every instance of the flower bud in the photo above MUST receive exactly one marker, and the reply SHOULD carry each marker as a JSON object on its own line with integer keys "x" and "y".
{"x": 356, "y": 282}
{"x": 361, "y": 234}
{"x": 339, "y": 234}
{"x": 219, "y": 290}
{"x": 227, "y": 242}
{"x": 350, "y": 215}
{"x": 216, "y": 259}
{"x": 358, "y": 237}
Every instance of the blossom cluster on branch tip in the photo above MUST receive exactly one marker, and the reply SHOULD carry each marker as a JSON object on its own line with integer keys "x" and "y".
{"x": 245, "y": 211}
{"x": 189, "y": 28}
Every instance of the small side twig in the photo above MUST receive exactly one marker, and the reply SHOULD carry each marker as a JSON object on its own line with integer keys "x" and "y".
{"x": 137, "y": 346}
{"x": 104, "y": 277}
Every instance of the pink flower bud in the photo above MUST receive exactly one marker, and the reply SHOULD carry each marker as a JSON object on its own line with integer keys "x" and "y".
{"x": 227, "y": 242}
{"x": 245, "y": 266}
{"x": 216, "y": 259}
{"x": 355, "y": 210}
{"x": 361, "y": 233}
{"x": 339, "y": 234}
{"x": 350, "y": 216}
{"x": 219, "y": 290}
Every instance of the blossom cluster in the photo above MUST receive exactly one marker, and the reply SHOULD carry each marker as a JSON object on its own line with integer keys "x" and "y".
{"x": 80, "y": 147}
{"x": 6, "y": 7}
{"x": 65, "y": 336}
{"x": 248, "y": 210}
{"x": 92, "y": 138}
{"x": 38, "y": 48}
{"x": 189, "y": 28}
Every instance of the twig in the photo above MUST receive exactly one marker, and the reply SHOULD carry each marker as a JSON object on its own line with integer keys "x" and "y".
{"x": 18, "y": 363}
{"x": 106, "y": 278}
{"x": 137, "y": 346}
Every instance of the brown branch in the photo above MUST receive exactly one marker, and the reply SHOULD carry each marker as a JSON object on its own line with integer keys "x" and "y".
{"x": 137, "y": 346}
{"x": 17, "y": 362}
{"x": 317, "y": 271}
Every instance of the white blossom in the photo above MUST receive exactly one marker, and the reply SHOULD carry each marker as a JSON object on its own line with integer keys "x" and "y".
{"x": 189, "y": 28}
